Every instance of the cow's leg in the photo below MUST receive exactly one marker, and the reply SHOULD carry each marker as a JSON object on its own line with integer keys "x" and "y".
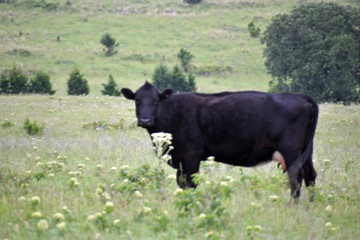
{"x": 184, "y": 175}
{"x": 295, "y": 175}
{"x": 310, "y": 176}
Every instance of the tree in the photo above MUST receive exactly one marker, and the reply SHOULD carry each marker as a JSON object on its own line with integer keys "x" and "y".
{"x": 162, "y": 77}
{"x": 185, "y": 58}
{"x": 110, "y": 88}
{"x": 13, "y": 81}
{"x": 40, "y": 83}
{"x": 110, "y": 44}
{"x": 253, "y": 30}
{"x": 315, "y": 50}
{"x": 77, "y": 84}
{"x": 176, "y": 79}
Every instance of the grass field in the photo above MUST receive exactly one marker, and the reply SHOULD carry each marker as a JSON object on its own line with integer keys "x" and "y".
{"x": 92, "y": 174}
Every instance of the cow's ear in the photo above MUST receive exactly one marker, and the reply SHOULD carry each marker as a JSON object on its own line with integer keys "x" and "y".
{"x": 128, "y": 93}
{"x": 166, "y": 93}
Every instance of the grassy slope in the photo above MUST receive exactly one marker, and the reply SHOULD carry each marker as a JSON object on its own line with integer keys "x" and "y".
{"x": 216, "y": 34}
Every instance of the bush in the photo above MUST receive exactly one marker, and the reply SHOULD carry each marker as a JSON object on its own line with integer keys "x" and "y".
{"x": 176, "y": 80}
{"x": 253, "y": 30}
{"x": 185, "y": 58}
{"x": 192, "y": 1}
{"x": 40, "y": 83}
{"x": 110, "y": 44}
{"x": 77, "y": 84}
{"x": 315, "y": 50}
{"x": 13, "y": 81}
{"x": 32, "y": 128}
{"x": 110, "y": 88}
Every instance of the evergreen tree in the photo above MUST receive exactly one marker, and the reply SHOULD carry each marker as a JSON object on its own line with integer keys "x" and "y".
{"x": 40, "y": 83}
{"x": 111, "y": 88}
{"x": 77, "y": 84}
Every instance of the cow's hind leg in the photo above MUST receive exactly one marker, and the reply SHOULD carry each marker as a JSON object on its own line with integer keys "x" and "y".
{"x": 310, "y": 176}
{"x": 295, "y": 179}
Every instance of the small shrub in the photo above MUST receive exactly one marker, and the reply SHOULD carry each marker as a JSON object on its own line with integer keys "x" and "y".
{"x": 19, "y": 52}
{"x": 185, "y": 58}
{"x": 192, "y": 1}
{"x": 110, "y": 44}
{"x": 32, "y": 128}
{"x": 110, "y": 88}
{"x": 253, "y": 30}
{"x": 77, "y": 84}
{"x": 7, "y": 124}
{"x": 13, "y": 81}
{"x": 40, "y": 83}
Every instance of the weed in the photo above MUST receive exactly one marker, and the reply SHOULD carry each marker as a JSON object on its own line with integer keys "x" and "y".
{"x": 32, "y": 128}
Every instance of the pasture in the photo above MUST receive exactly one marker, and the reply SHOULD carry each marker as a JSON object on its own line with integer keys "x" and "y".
{"x": 92, "y": 174}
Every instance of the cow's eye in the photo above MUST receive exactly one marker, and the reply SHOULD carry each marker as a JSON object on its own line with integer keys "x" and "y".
{"x": 156, "y": 102}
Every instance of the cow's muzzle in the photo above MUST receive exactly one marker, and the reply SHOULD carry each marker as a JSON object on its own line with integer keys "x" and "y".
{"x": 144, "y": 122}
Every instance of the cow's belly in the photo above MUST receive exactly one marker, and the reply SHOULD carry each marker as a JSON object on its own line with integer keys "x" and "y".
{"x": 246, "y": 156}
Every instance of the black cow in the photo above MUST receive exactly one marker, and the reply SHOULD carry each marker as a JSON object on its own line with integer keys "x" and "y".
{"x": 237, "y": 128}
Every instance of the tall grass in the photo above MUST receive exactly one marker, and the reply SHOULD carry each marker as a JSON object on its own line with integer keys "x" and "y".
{"x": 75, "y": 170}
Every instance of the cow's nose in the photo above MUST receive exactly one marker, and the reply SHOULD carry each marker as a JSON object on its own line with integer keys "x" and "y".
{"x": 144, "y": 122}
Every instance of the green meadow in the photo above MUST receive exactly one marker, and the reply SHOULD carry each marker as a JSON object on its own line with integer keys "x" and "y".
{"x": 92, "y": 173}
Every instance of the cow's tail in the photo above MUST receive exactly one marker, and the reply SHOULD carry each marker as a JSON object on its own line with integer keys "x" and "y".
{"x": 310, "y": 134}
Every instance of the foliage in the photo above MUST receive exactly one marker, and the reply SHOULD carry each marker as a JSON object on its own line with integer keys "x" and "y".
{"x": 192, "y": 1}
{"x": 185, "y": 58}
{"x": 77, "y": 84}
{"x": 176, "y": 79}
{"x": 253, "y": 30}
{"x": 110, "y": 43}
{"x": 32, "y": 128}
{"x": 110, "y": 88}
{"x": 13, "y": 81}
{"x": 315, "y": 50}
{"x": 40, "y": 83}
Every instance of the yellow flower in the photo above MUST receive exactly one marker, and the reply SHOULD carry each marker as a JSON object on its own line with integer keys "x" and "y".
{"x": 138, "y": 194}
{"x": 257, "y": 228}
{"x": 116, "y": 222}
{"x": 109, "y": 207}
{"x": 113, "y": 169}
{"x": 43, "y": 225}
{"x": 329, "y": 208}
{"x": 177, "y": 191}
{"x": 99, "y": 166}
{"x": 147, "y": 210}
{"x": 37, "y": 214}
{"x": 61, "y": 226}
{"x": 172, "y": 177}
{"x": 274, "y": 197}
{"x": 21, "y": 199}
{"x": 59, "y": 216}
{"x": 202, "y": 217}
{"x": 51, "y": 175}
{"x": 35, "y": 200}
{"x": 91, "y": 218}
{"x": 124, "y": 167}
{"x": 328, "y": 224}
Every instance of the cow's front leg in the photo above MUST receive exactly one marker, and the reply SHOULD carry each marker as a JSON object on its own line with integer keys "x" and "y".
{"x": 184, "y": 175}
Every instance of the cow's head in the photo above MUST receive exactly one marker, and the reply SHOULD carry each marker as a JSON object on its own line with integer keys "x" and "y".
{"x": 147, "y": 99}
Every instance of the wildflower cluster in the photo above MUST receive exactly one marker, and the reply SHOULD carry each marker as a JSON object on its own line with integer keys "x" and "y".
{"x": 162, "y": 145}
{"x": 206, "y": 205}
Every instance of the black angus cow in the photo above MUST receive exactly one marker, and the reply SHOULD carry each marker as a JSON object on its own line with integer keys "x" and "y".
{"x": 237, "y": 128}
